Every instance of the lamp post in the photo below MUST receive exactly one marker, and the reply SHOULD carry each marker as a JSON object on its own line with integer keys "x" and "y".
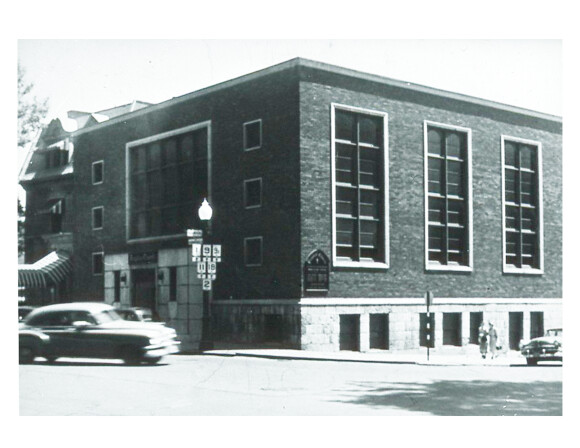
{"x": 205, "y": 212}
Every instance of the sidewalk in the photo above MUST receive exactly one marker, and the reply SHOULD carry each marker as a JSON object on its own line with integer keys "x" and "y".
{"x": 441, "y": 356}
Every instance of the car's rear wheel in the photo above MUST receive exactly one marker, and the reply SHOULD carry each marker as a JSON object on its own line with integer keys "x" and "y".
{"x": 532, "y": 361}
{"x": 26, "y": 354}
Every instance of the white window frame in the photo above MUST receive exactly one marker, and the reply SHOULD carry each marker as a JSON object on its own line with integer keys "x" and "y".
{"x": 102, "y": 163}
{"x": 261, "y": 251}
{"x": 245, "y": 193}
{"x": 102, "y": 254}
{"x": 336, "y": 261}
{"x": 508, "y": 268}
{"x": 102, "y": 208}
{"x": 151, "y": 139}
{"x": 259, "y": 120}
{"x": 432, "y": 266}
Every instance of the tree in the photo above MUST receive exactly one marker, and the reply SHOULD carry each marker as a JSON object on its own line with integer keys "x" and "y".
{"x": 31, "y": 110}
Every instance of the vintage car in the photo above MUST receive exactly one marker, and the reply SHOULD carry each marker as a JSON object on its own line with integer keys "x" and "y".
{"x": 92, "y": 330}
{"x": 544, "y": 348}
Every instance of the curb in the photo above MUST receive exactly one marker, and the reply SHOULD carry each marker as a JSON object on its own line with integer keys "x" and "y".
{"x": 367, "y": 361}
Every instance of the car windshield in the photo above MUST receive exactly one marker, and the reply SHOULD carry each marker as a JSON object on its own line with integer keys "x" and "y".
{"x": 106, "y": 316}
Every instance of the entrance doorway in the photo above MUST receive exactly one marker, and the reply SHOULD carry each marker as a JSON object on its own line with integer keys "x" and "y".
{"x": 143, "y": 291}
{"x": 452, "y": 329}
{"x": 536, "y": 324}
{"x": 516, "y": 329}
{"x": 475, "y": 320}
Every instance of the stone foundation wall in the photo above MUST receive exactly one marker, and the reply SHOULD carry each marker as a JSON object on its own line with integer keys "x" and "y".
{"x": 320, "y": 323}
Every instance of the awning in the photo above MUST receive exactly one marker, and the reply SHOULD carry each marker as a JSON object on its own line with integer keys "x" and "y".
{"x": 52, "y": 269}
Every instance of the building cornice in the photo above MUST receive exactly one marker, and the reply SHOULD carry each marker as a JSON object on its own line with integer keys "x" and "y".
{"x": 328, "y": 68}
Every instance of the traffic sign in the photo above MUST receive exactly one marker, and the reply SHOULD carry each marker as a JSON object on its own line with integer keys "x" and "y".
{"x": 212, "y": 267}
{"x": 201, "y": 267}
{"x": 196, "y": 250}
{"x": 194, "y": 233}
{"x": 206, "y": 284}
{"x": 206, "y": 250}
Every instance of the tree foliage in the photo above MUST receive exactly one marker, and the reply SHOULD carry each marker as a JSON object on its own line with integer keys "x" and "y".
{"x": 31, "y": 110}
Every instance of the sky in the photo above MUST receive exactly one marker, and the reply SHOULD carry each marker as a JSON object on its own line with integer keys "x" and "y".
{"x": 91, "y": 75}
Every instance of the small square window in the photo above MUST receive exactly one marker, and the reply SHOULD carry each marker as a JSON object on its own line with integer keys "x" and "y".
{"x": 98, "y": 172}
{"x": 253, "y": 193}
{"x": 252, "y": 135}
{"x": 98, "y": 263}
{"x": 253, "y": 251}
{"x": 98, "y": 218}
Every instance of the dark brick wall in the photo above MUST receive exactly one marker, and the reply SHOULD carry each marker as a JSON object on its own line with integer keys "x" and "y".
{"x": 406, "y": 276}
{"x": 38, "y": 224}
{"x": 274, "y": 99}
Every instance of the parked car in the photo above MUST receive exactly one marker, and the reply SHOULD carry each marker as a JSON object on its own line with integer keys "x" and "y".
{"x": 92, "y": 330}
{"x": 135, "y": 314}
{"x": 544, "y": 348}
{"x": 23, "y": 311}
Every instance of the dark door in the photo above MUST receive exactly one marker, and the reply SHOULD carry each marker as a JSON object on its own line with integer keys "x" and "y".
{"x": 379, "y": 331}
{"x": 452, "y": 329}
{"x": 516, "y": 329}
{"x": 144, "y": 288}
{"x": 349, "y": 332}
{"x": 536, "y": 324}
{"x": 475, "y": 320}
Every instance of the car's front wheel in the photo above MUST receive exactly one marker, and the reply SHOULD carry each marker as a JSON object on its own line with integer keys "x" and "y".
{"x": 152, "y": 361}
{"x": 532, "y": 361}
{"x": 26, "y": 354}
{"x": 130, "y": 355}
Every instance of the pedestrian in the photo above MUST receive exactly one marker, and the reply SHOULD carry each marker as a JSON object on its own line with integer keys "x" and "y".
{"x": 492, "y": 332}
{"x": 482, "y": 339}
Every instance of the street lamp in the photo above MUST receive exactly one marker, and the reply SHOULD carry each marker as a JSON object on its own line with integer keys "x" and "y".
{"x": 205, "y": 212}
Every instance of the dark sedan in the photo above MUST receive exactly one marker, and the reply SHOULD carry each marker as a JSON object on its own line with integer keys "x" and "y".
{"x": 544, "y": 348}
{"x": 92, "y": 330}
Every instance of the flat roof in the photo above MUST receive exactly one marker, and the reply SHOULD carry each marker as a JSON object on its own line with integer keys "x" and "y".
{"x": 332, "y": 69}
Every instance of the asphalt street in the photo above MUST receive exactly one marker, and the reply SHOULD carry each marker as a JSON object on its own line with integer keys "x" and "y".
{"x": 217, "y": 385}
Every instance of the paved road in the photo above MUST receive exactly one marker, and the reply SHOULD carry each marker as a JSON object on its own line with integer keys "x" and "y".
{"x": 214, "y": 385}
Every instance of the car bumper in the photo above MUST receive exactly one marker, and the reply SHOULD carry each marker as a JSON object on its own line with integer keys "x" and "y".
{"x": 156, "y": 351}
{"x": 542, "y": 354}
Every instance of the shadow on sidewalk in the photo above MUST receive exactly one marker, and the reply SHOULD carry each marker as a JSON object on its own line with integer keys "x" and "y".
{"x": 459, "y": 398}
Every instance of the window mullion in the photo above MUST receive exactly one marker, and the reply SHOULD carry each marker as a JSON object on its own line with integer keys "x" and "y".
{"x": 357, "y": 224}
{"x": 519, "y": 247}
{"x": 445, "y": 246}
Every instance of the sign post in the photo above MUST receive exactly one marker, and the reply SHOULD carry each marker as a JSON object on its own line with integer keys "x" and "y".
{"x": 207, "y": 256}
{"x": 429, "y": 332}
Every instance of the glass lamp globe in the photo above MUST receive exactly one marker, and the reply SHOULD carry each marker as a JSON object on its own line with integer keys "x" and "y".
{"x": 205, "y": 211}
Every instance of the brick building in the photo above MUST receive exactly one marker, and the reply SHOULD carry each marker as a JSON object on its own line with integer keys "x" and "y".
{"x": 339, "y": 199}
